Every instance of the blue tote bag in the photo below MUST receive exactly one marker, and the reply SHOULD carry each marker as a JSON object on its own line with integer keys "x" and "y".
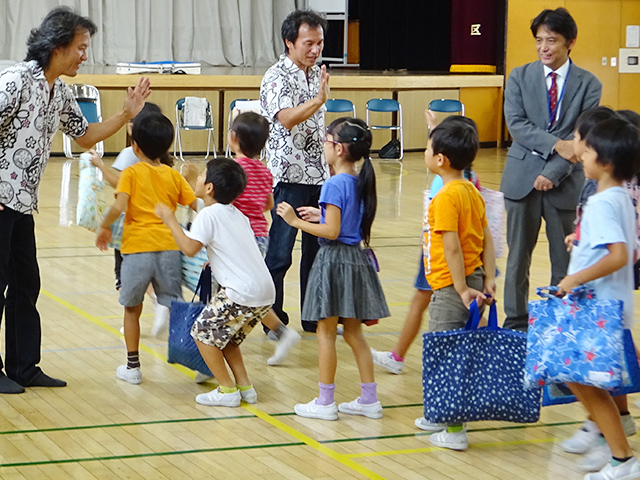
{"x": 182, "y": 346}
{"x": 578, "y": 339}
{"x": 474, "y": 374}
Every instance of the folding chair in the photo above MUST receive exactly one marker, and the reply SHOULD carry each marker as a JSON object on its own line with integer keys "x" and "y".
{"x": 387, "y": 105}
{"x": 447, "y": 106}
{"x": 237, "y": 106}
{"x": 88, "y": 98}
{"x": 207, "y": 125}
{"x": 339, "y": 105}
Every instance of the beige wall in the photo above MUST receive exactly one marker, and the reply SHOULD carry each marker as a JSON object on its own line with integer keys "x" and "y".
{"x": 601, "y": 32}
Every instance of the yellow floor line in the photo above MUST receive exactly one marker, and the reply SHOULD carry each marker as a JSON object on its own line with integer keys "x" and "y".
{"x": 110, "y": 329}
{"x": 250, "y": 408}
{"x": 435, "y": 449}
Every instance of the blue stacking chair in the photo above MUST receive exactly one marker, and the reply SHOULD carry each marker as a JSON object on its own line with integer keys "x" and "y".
{"x": 387, "y": 105}
{"x": 88, "y": 98}
{"x": 447, "y": 106}
{"x": 340, "y": 105}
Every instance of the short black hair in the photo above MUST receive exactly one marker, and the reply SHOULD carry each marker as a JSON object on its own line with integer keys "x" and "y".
{"x": 146, "y": 109}
{"x": 456, "y": 137}
{"x": 58, "y": 29}
{"x": 617, "y": 143}
{"x": 630, "y": 116}
{"x": 252, "y": 132}
{"x": 228, "y": 179}
{"x": 558, "y": 21}
{"x": 153, "y": 133}
{"x": 291, "y": 25}
{"x": 590, "y": 118}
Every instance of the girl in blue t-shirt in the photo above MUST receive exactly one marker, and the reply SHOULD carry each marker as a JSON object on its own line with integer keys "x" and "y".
{"x": 343, "y": 283}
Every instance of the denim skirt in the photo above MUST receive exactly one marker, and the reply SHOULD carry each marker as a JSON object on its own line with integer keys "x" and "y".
{"x": 343, "y": 283}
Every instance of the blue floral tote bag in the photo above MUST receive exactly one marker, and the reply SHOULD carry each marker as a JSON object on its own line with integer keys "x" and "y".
{"x": 576, "y": 339}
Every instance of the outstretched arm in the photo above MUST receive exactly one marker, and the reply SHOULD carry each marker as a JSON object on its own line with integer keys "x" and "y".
{"x": 330, "y": 229}
{"x": 108, "y": 174}
{"x": 132, "y": 105}
{"x": 188, "y": 245}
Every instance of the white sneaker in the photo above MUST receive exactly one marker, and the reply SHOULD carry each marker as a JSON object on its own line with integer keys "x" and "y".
{"x": 249, "y": 396}
{"x": 386, "y": 360}
{"x": 596, "y": 458}
{"x": 271, "y": 335}
{"x": 131, "y": 375}
{"x": 369, "y": 410}
{"x": 121, "y": 330}
{"x": 583, "y": 440}
{"x": 453, "y": 441}
{"x": 313, "y": 410}
{"x": 161, "y": 320}
{"x": 628, "y": 424}
{"x": 287, "y": 341}
{"x": 628, "y": 470}
{"x": 202, "y": 377}
{"x": 423, "y": 424}
{"x": 215, "y": 398}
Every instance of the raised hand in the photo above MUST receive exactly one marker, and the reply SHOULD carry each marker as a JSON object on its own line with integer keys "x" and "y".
{"x": 136, "y": 97}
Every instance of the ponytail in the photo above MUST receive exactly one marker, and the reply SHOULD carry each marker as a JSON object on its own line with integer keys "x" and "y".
{"x": 367, "y": 192}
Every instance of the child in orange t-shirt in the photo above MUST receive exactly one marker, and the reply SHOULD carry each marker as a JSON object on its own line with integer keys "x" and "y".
{"x": 459, "y": 262}
{"x": 150, "y": 254}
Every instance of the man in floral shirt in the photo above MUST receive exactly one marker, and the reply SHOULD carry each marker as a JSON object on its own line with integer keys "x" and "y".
{"x": 34, "y": 104}
{"x": 292, "y": 98}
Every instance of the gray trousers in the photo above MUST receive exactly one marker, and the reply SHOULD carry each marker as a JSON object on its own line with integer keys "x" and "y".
{"x": 524, "y": 218}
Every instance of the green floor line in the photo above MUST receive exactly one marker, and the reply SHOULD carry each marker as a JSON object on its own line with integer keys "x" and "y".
{"x": 253, "y": 447}
{"x": 146, "y": 455}
{"x": 160, "y": 422}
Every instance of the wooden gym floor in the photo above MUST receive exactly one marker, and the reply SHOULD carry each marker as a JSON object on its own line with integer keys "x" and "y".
{"x": 101, "y": 428}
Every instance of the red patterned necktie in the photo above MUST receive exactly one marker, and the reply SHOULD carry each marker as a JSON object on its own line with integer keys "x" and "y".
{"x": 553, "y": 98}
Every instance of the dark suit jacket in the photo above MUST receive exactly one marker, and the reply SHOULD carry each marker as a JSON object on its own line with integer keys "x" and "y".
{"x": 527, "y": 116}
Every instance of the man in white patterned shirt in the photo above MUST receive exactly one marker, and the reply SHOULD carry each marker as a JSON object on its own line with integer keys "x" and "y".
{"x": 34, "y": 104}
{"x": 292, "y": 98}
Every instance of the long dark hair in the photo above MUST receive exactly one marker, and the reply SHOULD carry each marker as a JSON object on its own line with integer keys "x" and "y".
{"x": 356, "y": 136}
{"x": 58, "y": 29}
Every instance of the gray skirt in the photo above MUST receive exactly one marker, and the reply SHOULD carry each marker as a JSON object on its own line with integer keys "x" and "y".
{"x": 343, "y": 283}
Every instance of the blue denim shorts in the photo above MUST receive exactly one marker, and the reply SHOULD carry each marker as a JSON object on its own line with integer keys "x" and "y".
{"x": 421, "y": 279}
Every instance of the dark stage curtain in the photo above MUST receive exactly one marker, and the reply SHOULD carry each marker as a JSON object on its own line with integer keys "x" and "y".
{"x": 405, "y": 34}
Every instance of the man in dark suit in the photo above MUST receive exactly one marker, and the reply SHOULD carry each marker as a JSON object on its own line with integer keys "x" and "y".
{"x": 541, "y": 178}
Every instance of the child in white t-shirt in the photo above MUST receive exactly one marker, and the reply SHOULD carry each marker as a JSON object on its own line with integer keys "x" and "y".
{"x": 602, "y": 260}
{"x": 246, "y": 289}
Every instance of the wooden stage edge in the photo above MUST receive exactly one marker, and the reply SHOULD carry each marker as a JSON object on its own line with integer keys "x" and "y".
{"x": 480, "y": 93}
{"x": 243, "y": 78}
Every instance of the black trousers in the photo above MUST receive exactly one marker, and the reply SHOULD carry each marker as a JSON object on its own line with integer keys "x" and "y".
{"x": 282, "y": 238}
{"x": 19, "y": 289}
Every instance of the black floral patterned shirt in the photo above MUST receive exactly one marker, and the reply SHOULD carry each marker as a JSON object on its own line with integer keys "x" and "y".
{"x": 29, "y": 117}
{"x": 296, "y": 155}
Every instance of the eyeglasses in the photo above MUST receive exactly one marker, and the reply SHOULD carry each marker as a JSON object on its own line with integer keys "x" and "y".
{"x": 326, "y": 140}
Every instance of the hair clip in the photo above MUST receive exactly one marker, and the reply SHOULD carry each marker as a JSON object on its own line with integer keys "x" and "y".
{"x": 355, "y": 139}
